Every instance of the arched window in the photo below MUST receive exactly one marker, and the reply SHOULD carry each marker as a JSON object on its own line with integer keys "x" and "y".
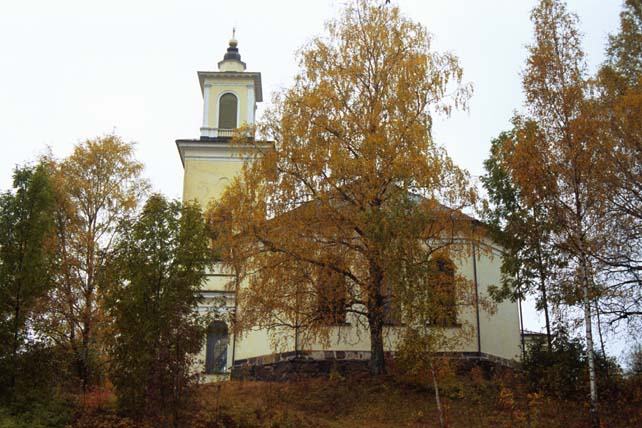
{"x": 331, "y": 297}
{"x": 391, "y": 307}
{"x": 443, "y": 290}
{"x": 228, "y": 105}
{"x": 216, "y": 348}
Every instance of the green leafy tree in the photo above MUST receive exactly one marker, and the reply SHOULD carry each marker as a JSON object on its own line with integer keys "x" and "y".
{"x": 160, "y": 267}
{"x": 25, "y": 259}
{"x": 557, "y": 370}
{"x": 561, "y": 371}
{"x": 526, "y": 233}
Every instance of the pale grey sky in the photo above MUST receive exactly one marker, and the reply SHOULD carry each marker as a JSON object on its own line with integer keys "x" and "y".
{"x": 74, "y": 69}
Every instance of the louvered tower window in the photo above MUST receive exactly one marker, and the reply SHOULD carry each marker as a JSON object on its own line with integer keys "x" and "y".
{"x": 227, "y": 108}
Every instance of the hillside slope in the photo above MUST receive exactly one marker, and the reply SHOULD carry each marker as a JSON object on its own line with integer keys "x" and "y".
{"x": 469, "y": 401}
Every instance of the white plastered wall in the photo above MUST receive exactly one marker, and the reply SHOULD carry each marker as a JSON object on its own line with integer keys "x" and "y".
{"x": 499, "y": 330}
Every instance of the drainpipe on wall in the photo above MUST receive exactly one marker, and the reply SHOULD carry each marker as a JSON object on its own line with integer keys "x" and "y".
{"x": 476, "y": 297}
{"x": 236, "y": 295}
{"x": 521, "y": 328}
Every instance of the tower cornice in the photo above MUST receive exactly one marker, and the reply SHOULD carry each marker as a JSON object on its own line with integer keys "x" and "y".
{"x": 223, "y": 149}
{"x": 233, "y": 75}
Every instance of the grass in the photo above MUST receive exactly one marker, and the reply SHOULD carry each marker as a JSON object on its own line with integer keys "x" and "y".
{"x": 469, "y": 399}
{"x": 388, "y": 402}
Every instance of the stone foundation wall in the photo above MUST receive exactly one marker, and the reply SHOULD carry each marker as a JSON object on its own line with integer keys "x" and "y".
{"x": 291, "y": 365}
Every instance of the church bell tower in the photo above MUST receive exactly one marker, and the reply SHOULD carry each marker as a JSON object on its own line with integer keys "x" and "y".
{"x": 229, "y": 95}
{"x": 229, "y": 103}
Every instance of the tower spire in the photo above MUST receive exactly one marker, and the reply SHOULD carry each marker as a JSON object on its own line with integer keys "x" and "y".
{"x": 232, "y": 58}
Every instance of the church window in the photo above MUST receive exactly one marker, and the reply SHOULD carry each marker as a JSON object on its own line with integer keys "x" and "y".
{"x": 391, "y": 309}
{"x": 331, "y": 298}
{"x": 228, "y": 105}
{"x": 443, "y": 287}
{"x": 216, "y": 348}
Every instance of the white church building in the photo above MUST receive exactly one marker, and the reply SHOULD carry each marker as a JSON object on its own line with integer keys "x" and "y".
{"x": 230, "y": 96}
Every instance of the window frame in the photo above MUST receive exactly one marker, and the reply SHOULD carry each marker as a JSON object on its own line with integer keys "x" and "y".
{"x": 214, "y": 365}
{"x": 219, "y": 110}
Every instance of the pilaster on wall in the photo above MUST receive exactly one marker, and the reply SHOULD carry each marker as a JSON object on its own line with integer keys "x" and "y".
{"x": 206, "y": 105}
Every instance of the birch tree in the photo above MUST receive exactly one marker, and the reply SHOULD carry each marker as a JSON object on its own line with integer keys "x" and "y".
{"x": 557, "y": 161}
{"x": 356, "y": 198}
{"x": 97, "y": 186}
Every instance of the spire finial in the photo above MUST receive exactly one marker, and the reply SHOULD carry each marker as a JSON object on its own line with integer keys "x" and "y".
{"x": 233, "y": 42}
{"x": 232, "y": 54}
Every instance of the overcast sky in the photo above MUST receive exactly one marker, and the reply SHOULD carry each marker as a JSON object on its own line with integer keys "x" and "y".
{"x": 75, "y": 69}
